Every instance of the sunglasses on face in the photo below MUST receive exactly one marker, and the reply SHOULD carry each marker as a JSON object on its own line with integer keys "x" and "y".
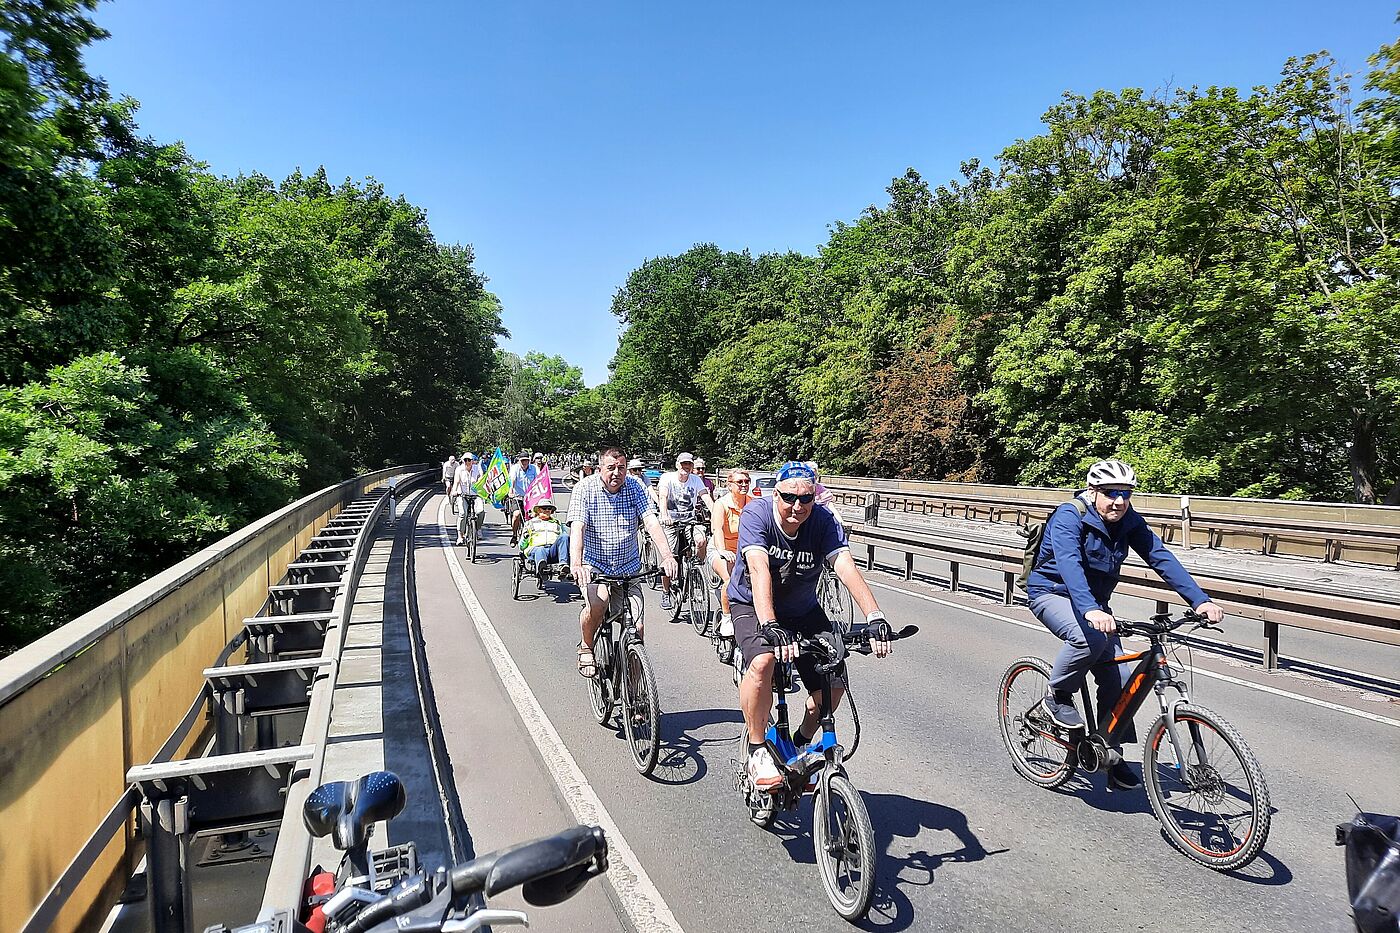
{"x": 1124, "y": 494}
{"x": 805, "y": 498}
{"x": 738, "y": 482}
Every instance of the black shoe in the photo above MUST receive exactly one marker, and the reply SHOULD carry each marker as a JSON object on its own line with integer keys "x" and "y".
{"x": 1058, "y": 707}
{"x": 1122, "y": 777}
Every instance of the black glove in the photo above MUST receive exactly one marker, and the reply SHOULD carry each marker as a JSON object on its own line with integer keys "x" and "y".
{"x": 880, "y": 631}
{"x": 776, "y": 635}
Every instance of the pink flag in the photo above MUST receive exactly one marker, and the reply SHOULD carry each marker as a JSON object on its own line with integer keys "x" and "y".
{"x": 540, "y": 488}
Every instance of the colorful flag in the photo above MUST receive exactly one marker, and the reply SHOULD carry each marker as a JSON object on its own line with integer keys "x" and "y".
{"x": 494, "y": 482}
{"x": 539, "y": 488}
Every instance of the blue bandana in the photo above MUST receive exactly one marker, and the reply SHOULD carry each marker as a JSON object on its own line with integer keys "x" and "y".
{"x": 796, "y": 469}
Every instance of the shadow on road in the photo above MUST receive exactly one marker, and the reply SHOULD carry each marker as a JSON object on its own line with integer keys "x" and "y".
{"x": 895, "y": 815}
{"x": 682, "y": 756}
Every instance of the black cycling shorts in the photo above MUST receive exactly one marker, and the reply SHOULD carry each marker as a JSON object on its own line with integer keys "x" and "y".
{"x": 752, "y": 644}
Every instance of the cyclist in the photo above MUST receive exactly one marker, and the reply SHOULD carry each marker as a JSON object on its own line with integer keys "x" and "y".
{"x": 724, "y": 522}
{"x": 700, "y": 472}
{"x": 520, "y": 477}
{"x": 605, "y": 512}
{"x": 1085, "y": 543}
{"x": 466, "y": 501}
{"x": 678, "y": 495}
{"x": 773, "y": 598}
{"x": 449, "y": 472}
{"x": 543, "y": 539}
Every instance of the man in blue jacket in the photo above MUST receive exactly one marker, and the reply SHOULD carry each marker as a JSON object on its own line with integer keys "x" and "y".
{"x": 1076, "y": 571}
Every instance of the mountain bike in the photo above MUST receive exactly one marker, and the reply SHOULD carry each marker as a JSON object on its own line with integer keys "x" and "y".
{"x": 842, "y": 835}
{"x": 690, "y": 591}
{"x": 384, "y": 892}
{"x": 622, "y": 674}
{"x": 470, "y": 516}
{"x": 1204, "y": 784}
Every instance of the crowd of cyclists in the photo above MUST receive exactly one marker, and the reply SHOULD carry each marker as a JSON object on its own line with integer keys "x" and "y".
{"x": 767, "y": 553}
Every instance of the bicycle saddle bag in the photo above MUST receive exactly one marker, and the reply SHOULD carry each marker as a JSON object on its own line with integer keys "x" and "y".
{"x": 1372, "y": 842}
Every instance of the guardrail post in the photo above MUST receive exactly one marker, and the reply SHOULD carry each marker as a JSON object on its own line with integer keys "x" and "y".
{"x": 870, "y": 557}
{"x": 952, "y": 576}
{"x": 1186, "y": 522}
{"x": 1270, "y": 646}
{"x": 908, "y": 565}
{"x": 872, "y": 510}
{"x": 1009, "y": 593}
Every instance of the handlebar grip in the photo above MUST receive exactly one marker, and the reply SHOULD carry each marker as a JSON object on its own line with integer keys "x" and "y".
{"x": 411, "y": 894}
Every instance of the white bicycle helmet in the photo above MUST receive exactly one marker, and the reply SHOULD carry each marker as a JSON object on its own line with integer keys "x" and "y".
{"x": 1111, "y": 473}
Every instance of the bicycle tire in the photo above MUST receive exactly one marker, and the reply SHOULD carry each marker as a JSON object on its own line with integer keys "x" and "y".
{"x": 698, "y": 601}
{"x": 844, "y": 845}
{"x": 641, "y": 712}
{"x": 475, "y": 527}
{"x": 1035, "y": 755}
{"x": 600, "y": 692}
{"x": 829, "y": 597}
{"x": 518, "y": 573}
{"x": 1205, "y": 782}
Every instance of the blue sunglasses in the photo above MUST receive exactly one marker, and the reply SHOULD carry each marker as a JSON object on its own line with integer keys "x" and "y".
{"x": 1124, "y": 494}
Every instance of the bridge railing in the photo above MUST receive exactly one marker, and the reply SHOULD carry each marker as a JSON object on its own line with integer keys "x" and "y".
{"x": 1326, "y": 531}
{"x": 109, "y": 690}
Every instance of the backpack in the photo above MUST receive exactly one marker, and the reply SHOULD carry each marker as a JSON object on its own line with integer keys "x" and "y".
{"x": 1035, "y": 533}
{"x": 1372, "y": 843}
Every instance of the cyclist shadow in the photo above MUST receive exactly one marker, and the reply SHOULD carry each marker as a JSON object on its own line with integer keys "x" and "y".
{"x": 684, "y": 738}
{"x": 894, "y": 815}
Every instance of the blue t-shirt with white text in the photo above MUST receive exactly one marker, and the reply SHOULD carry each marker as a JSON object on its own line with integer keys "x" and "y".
{"x": 795, "y": 564}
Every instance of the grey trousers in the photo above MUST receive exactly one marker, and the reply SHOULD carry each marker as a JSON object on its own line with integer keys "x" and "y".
{"x": 1086, "y": 649}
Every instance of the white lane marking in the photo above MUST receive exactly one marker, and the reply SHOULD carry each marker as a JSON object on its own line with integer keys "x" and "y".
{"x": 1204, "y": 673}
{"x": 646, "y": 909}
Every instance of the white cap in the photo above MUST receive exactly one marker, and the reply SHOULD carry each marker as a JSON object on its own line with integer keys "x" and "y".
{"x": 635, "y": 464}
{"x": 684, "y": 457}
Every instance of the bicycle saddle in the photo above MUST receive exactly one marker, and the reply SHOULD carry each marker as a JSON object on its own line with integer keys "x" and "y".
{"x": 346, "y": 809}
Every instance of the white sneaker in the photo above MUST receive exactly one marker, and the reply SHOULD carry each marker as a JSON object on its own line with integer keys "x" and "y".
{"x": 726, "y": 626}
{"x": 762, "y": 771}
{"x": 666, "y": 603}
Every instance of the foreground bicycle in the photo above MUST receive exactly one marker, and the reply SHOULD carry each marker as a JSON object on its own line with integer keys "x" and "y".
{"x": 842, "y": 836}
{"x": 1205, "y": 785}
{"x": 622, "y": 673}
{"x": 386, "y": 891}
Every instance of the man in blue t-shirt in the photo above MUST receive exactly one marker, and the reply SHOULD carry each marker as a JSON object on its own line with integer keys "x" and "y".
{"x": 785, "y": 540}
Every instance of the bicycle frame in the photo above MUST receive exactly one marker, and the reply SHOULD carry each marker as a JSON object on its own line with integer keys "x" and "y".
{"x": 824, "y": 753}
{"x": 1152, "y": 674}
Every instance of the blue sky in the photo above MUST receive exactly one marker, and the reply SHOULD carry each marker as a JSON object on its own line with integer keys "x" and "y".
{"x": 569, "y": 142}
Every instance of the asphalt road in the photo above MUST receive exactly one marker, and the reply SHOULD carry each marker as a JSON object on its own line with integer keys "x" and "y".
{"x": 965, "y": 844}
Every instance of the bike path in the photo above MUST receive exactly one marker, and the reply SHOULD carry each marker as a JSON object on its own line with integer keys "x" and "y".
{"x": 506, "y": 795}
{"x": 965, "y": 844}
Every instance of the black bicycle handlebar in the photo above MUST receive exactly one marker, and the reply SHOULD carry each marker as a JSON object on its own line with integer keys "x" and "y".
{"x": 1163, "y": 623}
{"x": 551, "y": 869}
{"x": 857, "y": 640}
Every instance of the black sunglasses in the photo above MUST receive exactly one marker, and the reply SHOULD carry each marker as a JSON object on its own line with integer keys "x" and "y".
{"x": 805, "y": 498}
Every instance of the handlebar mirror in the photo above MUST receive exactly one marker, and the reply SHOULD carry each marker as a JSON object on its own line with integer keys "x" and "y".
{"x": 907, "y": 631}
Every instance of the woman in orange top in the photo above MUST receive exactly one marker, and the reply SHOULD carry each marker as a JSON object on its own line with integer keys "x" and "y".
{"x": 724, "y": 522}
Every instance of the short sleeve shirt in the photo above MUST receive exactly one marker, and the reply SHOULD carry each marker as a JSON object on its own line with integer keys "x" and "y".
{"x": 681, "y": 498}
{"x": 795, "y": 564}
{"x": 610, "y": 524}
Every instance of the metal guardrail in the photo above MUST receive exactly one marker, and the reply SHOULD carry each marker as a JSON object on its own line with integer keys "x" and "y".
{"x": 1329, "y": 532}
{"x": 1350, "y": 616}
{"x": 107, "y": 691}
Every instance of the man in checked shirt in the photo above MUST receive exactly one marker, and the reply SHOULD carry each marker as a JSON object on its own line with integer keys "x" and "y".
{"x": 605, "y": 512}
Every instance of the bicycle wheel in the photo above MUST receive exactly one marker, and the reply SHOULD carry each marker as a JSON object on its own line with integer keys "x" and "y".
{"x": 697, "y": 594}
{"x": 474, "y": 527}
{"x": 833, "y": 601}
{"x": 679, "y": 591}
{"x": 519, "y": 573}
{"x": 641, "y": 713}
{"x": 845, "y": 847}
{"x": 1215, "y": 811}
{"x": 600, "y": 684}
{"x": 1038, "y": 752}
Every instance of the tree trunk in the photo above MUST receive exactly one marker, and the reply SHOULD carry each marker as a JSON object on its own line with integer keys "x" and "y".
{"x": 1361, "y": 453}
